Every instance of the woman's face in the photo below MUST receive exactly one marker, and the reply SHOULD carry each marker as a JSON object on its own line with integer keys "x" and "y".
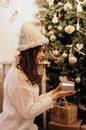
{"x": 40, "y": 55}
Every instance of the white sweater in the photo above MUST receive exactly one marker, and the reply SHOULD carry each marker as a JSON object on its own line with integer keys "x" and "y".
{"x": 22, "y": 102}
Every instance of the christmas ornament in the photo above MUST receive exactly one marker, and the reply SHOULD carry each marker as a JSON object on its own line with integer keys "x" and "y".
{"x": 52, "y": 37}
{"x": 50, "y": 33}
{"x": 59, "y": 27}
{"x": 60, "y": 4}
{"x": 50, "y": 2}
{"x": 77, "y": 80}
{"x": 49, "y": 27}
{"x": 79, "y": 46}
{"x": 79, "y": 7}
{"x": 72, "y": 59}
{"x": 69, "y": 29}
{"x": 55, "y": 19}
{"x": 63, "y": 78}
{"x": 67, "y": 7}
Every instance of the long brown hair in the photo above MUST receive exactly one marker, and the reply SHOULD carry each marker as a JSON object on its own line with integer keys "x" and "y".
{"x": 28, "y": 65}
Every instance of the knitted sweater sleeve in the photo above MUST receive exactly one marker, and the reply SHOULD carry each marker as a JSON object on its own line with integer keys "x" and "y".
{"x": 26, "y": 102}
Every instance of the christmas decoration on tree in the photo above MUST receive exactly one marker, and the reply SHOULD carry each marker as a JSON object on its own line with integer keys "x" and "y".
{"x": 64, "y": 23}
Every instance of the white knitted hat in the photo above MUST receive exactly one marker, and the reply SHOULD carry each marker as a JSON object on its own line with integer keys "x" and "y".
{"x": 30, "y": 37}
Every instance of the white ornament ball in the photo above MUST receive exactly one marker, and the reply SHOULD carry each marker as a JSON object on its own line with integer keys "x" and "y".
{"x": 77, "y": 80}
{"x": 67, "y": 7}
{"x": 72, "y": 59}
{"x": 49, "y": 27}
{"x": 53, "y": 37}
{"x": 59, "y": 27}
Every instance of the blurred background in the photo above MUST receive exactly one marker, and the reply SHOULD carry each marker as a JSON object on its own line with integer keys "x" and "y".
{"x": 13, "y": 13}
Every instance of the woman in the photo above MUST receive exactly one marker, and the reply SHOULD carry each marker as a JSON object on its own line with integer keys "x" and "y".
{"x": 22, "y": 102}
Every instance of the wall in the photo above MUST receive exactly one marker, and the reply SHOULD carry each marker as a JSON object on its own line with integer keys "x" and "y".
{"x": 11, "y": 19}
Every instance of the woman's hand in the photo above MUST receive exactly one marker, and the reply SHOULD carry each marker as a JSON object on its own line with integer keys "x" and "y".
{"x": 61, "y": 94}
{"x": 57, "y": 93}
{"x": 58, "y": 88}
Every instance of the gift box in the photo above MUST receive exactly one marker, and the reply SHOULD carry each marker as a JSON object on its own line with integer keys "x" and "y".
{"x": 59, "y": 126}
{"x": 64, "y": 114}
{"x": 83, "y": 127}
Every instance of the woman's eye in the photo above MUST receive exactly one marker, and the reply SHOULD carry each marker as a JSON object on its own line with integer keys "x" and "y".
{"x": 42, "y": 50}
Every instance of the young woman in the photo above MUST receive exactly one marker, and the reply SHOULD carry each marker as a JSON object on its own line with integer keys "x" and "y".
{"x": 22, "y": 102}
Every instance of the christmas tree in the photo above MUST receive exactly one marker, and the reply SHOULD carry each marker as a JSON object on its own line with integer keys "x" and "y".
{"x": 64, "y": 23}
